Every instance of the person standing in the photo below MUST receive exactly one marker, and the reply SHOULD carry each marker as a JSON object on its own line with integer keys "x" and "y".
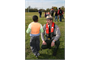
{"x": 60, "y": 14}
{"x": 52, "y": 35}
{"x": 52, "y": 12}
{"x": 34, "y": 28}
{"x": 56, "y": 15}
{"x": 40, "y": 13}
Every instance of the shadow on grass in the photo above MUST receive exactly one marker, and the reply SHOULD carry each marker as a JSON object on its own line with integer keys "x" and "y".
{"x": 60, "y": 55}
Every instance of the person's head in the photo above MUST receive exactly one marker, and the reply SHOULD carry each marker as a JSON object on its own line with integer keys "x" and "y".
{"x": 49, "y": 19}
{"x": 59, "y": 8}
{"x": 52, "y": 9}
{"x": 35, "y": 18}
{"x": 48, "y": 12}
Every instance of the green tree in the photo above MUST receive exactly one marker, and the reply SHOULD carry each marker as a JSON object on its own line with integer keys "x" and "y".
{"x": 63, "y": 8}
{"x": 48, "y": 10}
{"x": 54, "y": 8}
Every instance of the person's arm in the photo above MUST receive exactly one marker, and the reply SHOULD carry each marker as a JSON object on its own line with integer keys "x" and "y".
{"x": 42, "y": 36}
{"x": 42, "y": 33}
{"x": 56, "y": 37}
{"x": 41, "y": 29}
{"x": 58, "y": 12}
{"x": 28, "y": 29}
{"x": 57, "y": 33}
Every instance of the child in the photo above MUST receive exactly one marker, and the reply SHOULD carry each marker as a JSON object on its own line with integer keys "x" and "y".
{"x": 34, "y": 28}
{"x": 56, "y": 15}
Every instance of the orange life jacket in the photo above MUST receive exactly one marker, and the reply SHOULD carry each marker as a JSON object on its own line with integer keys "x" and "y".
{"x": 35, "y": 28}
{"x": 52, "y": 28}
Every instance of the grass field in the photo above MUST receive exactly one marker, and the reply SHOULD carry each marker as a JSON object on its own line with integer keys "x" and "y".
{"x": 44, "y": 54}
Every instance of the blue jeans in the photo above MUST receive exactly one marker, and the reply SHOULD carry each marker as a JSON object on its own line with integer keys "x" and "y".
{"x": 39, "y": 15}
{"x": 60, "y": 17}
{"x": 56, "y": 18}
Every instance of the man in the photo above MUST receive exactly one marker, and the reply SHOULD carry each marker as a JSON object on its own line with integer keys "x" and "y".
{"x": 52, "y": 12}
{"x": 60, "y": 14}
{"x": 52, "y": 35}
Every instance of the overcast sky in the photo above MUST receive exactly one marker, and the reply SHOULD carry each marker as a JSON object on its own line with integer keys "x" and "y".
{"x": 44, "y": 3}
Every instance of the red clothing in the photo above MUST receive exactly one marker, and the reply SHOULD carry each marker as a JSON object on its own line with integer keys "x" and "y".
{"x": 58, "y": 12}
{"x": 52, "y": 28}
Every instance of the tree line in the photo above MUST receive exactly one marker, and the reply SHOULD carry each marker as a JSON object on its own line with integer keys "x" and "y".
{"x": 43, "y": 10}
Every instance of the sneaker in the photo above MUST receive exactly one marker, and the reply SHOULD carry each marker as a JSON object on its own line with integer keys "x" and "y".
{"x": 38, "y": 54}
{"x": 34, "y": 54}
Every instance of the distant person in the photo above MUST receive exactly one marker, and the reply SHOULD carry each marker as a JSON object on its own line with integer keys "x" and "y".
{"x": 56, "y": 16}
{"x": 34, "y": 28}
{"x": 47, "y": 14}
{"x": 40, "y": 13}
{"x": 52, "y": 12}
{"x": 51, "y": 35}
{"x": 60, "y": 14}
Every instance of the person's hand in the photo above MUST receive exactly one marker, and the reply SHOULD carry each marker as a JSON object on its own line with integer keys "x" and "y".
{"x": 44, "y": 43}
{"x": 52, "y": 44}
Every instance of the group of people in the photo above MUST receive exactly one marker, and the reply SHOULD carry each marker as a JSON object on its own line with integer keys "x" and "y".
{"x": 51, "y": 32}
{"x": 58, "y": 14}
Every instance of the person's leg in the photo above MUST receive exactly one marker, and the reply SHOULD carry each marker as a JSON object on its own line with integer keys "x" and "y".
{"x": 59, "y": 17}
{"x": 52, "y": 14}
{"x": 40, "y": 15}
{"x": 32, "y": 45}
{"x": 56, "y": 18}
{"x": 57, "y": 43}
{"x": 37, "y": 45}
{"x": 62, "y": 16}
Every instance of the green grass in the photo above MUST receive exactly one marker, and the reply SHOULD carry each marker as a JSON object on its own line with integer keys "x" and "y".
{"x": 45, "y": 53}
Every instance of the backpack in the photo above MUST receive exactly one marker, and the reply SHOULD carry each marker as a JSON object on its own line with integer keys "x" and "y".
{"x": 60, "y": 12}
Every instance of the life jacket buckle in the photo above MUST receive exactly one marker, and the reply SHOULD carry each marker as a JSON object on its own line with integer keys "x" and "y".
{"x": 48, "y": 38}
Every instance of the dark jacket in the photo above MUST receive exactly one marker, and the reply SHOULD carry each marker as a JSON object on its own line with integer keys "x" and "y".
{"x": 56, "y": 14}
